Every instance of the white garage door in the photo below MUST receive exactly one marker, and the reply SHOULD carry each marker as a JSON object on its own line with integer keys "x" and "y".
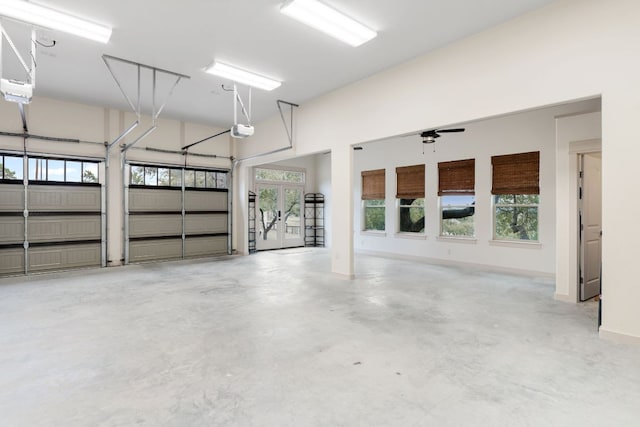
{"x": 53, "y": 219}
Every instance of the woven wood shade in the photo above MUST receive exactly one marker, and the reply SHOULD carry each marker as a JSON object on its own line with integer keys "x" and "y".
{"x": 457, "y": 177}
{"x": 410, "y": 182}
{"x": 373, "y": 185}
{"x": 516, "y": 173}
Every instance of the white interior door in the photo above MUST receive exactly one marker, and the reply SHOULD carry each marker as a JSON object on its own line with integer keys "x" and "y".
{"x": 590, "y": 225}
{"x": 279, "y": 216}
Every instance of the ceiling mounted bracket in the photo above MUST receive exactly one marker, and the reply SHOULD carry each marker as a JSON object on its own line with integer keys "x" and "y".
{"x": 288, "y": 128}
{"x": 14, "y": 90}
{"x": 136, "y": 107}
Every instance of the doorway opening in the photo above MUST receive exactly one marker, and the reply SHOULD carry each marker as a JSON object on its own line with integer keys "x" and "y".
{"x": 279, "y": 208}
{"x": 590, "y": 225}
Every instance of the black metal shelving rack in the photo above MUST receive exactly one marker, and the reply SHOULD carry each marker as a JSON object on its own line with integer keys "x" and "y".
{"x": 252, "y": 222}
{"x": 314, "y": 219}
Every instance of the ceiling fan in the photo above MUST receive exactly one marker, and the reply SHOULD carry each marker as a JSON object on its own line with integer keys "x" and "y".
{"x": 429, "y": 136}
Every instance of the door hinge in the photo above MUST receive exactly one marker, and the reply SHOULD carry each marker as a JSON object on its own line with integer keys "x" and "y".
{"x": 580, "y": 194}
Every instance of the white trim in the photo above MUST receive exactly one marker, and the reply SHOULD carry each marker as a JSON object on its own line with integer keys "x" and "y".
{"x": 409, "y": 235}
{"x": 585, "y": 146}
{"x": 375, "y": 233}
{"x": 457, "y": 239}
{"x": 618, "y": 337}
{"x": 524, "y": 244}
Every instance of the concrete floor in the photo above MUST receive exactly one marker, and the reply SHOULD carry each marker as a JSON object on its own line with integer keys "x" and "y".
{"x": 274, "y": 340}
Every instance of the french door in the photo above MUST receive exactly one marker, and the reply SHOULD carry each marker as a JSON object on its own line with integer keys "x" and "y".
{"x": 279, "y": 216}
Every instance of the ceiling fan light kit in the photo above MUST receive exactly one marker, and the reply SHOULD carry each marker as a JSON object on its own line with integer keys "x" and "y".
{"x": 429, "y": 136}
{"x": 45, "y": 17}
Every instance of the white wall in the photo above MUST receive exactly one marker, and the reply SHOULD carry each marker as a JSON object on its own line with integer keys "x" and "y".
{"x": 569, "y": 50}
{"x": 574, "y": 134}
{"x": 524, "y": 132}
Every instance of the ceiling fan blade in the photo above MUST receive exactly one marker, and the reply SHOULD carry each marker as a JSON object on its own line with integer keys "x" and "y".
{"x": 450, "y": 130}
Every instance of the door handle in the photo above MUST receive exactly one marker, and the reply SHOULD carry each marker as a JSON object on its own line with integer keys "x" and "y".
{"x": 279, "y": 216}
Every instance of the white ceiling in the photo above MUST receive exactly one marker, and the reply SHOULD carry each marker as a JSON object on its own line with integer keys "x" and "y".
{"x": 185, "y": 36}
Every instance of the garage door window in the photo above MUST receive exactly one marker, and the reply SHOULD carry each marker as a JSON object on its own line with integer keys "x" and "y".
{"x": 56, "y": 170}
{"x": 155, "y": 176}
{"x": 11, "y": 167}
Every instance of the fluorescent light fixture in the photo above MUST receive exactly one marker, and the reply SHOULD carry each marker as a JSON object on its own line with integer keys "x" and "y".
{"x": 328, "y": 20}
{"x": 49, "y": 18}
{"x": 242, "y": 76}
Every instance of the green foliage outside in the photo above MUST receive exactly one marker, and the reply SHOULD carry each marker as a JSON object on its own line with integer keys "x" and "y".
{"x": 8, "y": 173}
{"x": 374, "y": 215}
{"x": 458, "y": 227}
{"x": 268, "y": 208}
{"x": 412, "y": 215}
{"x": 294, "y": 177}
{"x": 516, "y": 216}
{"x": 88, "y": 176}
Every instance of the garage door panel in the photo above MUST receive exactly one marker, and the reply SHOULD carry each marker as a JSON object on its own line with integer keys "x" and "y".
{"x": 205, "y": 223}
{"x": 60, "y": 257}
{"x": 150, "y": 250}
{"x": 58, "y": 198}
{"x": 12, "y": 197}
{"x": 151, "y": 199}
{"x": 11, "y": 261}
{"x": 205, "y": 201}
{"x": 64, "y": 228}
{"x": 11, "y": 229}
{"x": 155, "y": 225}
{"x": 203, "y": 246}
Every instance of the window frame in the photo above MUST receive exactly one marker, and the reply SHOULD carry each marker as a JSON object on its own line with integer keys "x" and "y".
{"x": 495, "y": 206}
{"x": 441, "y": 209}
{"x": 513, "y": 175}
{"x": 175, "y": 173}
{"x": 410, "y": 185}
{"x": 366, "y": 206}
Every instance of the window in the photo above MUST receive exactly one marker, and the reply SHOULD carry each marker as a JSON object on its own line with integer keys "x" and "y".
{"x": 456, "y": 188}
{"x": 279, "y": 175}
{"x": 373, "y": 199}
{"x": 410, "y": 196}
{"x": 154, "y": 176}
{"x": 55, "y": 170}
{"x": 11, "y": 167}
{"x": 515, "y": 190}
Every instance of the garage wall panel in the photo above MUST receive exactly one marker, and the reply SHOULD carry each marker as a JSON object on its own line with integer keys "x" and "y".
{"x": 11, "y": 198}
{"x": 11, "y": 261}
{"x": 202, "y": 246}
{"x": 155, "y": 225}
{"x": 11, "y": 230}
{"x": 54, "y": 198}
{"x": 60, "y": 257}
{"x": 146, "y": 200}
{"x": 64, "y": 228}
{"x": 205, "y": 201}
{"x": 150, "y": 250}
{"x": 205, "y": 223}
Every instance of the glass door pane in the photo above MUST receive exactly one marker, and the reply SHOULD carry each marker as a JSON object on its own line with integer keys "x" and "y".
{"x": 267, "y": 216}
{"x": 292, "y": 217}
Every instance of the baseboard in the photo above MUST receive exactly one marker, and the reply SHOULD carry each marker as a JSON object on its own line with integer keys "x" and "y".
{"x": 445, "y": 262}
{"x": 344, "y": 276}
{"x": 618, "y": 337}
{"x": 564, "y": 298}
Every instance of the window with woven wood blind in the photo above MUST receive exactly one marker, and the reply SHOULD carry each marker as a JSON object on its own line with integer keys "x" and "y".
{"x": 457, "y": 177}
{"x": 410, "y": 195}
{"x": 516, "y": 173}
{"x": 373, "y": 185}
{"x": 515, "y": 190}
{"x": 410, "y": 182}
